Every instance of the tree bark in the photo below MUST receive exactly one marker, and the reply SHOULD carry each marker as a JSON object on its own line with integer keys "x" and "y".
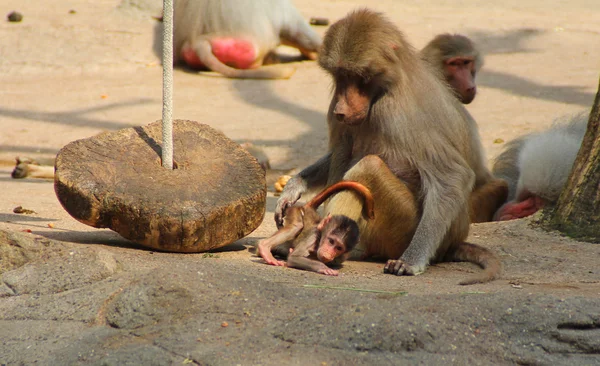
{"x": 577, "y": 212}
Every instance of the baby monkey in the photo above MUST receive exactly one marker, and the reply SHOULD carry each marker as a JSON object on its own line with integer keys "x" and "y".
{"x": 311, "y": 241}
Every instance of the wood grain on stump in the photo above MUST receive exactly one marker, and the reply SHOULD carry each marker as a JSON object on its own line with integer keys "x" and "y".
{"x": 115, "y": 180}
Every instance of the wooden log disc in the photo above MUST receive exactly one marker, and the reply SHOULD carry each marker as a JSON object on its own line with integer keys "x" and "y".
{"x": 115, "y": 180}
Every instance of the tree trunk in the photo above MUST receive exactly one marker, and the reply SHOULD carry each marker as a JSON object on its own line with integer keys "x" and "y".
{"x": 577, "y": 212}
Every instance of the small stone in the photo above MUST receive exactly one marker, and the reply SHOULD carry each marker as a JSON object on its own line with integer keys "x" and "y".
{"x": 15, "y": 17}
{"x": 319, "y": 21}
{"x": 21, "y": 210}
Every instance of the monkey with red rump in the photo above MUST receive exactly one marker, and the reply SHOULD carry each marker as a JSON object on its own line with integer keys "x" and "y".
{"x": 537, "y": 166}
{"x": 236, "y": 38}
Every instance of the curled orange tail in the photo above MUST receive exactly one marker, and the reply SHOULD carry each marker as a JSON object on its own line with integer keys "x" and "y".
{"x": 364, "y": 192}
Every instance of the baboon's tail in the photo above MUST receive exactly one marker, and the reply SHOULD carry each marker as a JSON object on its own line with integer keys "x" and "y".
{"x": 361, "y": 190}
{"x": 485, "y": 258}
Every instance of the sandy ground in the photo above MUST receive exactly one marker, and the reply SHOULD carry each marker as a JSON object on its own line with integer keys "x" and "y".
{"x": 66, "y": 76}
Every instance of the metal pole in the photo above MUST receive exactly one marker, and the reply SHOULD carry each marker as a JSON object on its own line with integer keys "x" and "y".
{"x": 167, "y": 62}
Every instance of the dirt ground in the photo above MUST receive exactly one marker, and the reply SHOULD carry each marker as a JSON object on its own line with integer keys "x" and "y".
{"x": 70, "y": 75}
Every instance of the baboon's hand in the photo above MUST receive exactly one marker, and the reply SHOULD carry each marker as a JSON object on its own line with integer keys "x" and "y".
{"x": 292, "y": 192}
{"x": 400, "y": 268}
{"x": 328, "y": 271}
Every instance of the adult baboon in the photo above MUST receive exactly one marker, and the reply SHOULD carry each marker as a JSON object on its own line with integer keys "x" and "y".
{"x": 394, "y": 127}
{"x": 537, "y": 166}
{"x": 459, "y": 61}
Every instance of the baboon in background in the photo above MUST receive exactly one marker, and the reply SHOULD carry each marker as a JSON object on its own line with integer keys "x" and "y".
{"x": 537, "y": 166}
{"x": 459, "y": 60}
{"x": 394, "y": 127}
{"x": 30, "y": 168}
{"x": 44, "y": 168}
{"x": 236, "y": 37}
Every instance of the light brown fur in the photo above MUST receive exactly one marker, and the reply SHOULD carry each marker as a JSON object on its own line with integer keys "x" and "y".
{"x": 29, "y": 168}
{"x": 457, "y": 60}
{"x": 313, "y": 240}
{"x": 411, "y": 126}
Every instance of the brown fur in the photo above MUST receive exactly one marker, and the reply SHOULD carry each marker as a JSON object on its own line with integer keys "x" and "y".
{"x": 409, "y": 124}
{"x": 480, "y": 255}
{"x": 486, "y": 199}
{"x": 306, "y": 233}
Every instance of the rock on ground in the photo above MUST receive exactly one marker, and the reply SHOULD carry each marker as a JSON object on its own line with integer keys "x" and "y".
{"x": 88, "y": 304}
